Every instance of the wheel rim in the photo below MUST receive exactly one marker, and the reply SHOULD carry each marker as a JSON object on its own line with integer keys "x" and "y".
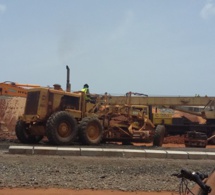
{"x": 93, "y": 132}
{"x": 64, "y": 130}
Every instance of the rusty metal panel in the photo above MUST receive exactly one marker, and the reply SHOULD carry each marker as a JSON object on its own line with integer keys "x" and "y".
{"x": 10, "y": 109}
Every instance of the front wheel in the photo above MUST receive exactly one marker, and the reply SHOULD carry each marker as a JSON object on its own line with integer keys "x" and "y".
{"x": 23, "y": 134}
{"x": 90, "y": 131}
{"x": 159, "y": 135}
{"x": 61, "y": 128}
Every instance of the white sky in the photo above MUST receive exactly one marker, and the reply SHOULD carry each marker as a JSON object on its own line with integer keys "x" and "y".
{"x": 156, "y": 47}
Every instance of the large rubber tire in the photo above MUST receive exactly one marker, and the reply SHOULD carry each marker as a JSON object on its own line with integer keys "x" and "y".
{"x": 90, "y": 131}
{"x": 22, "y": 133}
{"x": 61, "y": 128}
{"x": 159, "y": 136}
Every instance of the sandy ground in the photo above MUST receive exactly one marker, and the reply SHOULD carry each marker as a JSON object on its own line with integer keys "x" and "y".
{"x": 75, "y": 192}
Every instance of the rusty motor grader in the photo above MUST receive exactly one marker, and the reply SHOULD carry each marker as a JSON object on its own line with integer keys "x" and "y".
{"x": 64, "y": 117}
{"x": 59, "y": 115}
{"x": 128, "y": 123}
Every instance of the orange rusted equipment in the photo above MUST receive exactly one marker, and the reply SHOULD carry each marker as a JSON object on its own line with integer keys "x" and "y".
{"x": 12, "y": 103}
{"x": 9, "y": 88}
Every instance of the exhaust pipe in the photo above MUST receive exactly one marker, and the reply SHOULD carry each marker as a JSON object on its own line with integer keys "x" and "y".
{"x": 68, "y": 85}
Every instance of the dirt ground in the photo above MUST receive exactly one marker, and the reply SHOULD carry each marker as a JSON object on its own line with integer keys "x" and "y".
{"x": 75, "y": 192}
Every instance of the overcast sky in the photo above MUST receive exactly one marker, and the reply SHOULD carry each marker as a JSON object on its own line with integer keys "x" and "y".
{"x": 156, "y": 47}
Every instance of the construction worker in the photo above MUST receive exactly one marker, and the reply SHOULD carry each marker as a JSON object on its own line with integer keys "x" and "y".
{"x": 87, "y": 92}
{"x": 89, "y": 97}
{"x": 86, "y": 89}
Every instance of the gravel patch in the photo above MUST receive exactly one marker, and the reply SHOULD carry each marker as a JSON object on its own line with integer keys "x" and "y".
{"x": 98, "y": 173}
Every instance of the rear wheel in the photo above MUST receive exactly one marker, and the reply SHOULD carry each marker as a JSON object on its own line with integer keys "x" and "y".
{"x": 159, "y": 135}
{"x": 61, "y": 128}
{"x": 90, "y": 131}
{"x": 22, "y": 133}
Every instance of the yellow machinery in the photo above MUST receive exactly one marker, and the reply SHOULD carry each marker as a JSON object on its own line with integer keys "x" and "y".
{"x": 65, "y": 116}
{"x": 171, "y": 125}
{"x": 61, "y": 116}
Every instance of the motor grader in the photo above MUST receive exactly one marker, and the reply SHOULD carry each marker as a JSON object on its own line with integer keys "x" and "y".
{"x": 61, "y": 116}
{"x": 64, "y": 117}
{"x": 130, "y": 123}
